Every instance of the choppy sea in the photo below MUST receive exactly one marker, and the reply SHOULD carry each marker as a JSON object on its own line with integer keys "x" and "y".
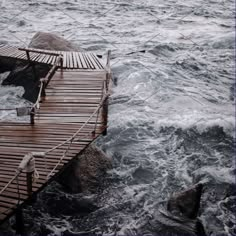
{"x": 171, "y": 114}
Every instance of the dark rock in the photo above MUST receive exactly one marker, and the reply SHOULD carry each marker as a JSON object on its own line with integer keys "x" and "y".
{"x": 7, "y": 64}
{"x": 87, "y": 172}
{"x": 58, "y": 205}
{"x": 142, "y": 175}
{"x": 179, "y": 217}
{"x": 28, "y": 76}
{"x": 23, "y": 75}
{"x": 186, "y": 203}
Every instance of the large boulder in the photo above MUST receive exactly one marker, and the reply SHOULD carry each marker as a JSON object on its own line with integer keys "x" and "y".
{"x": 86, "y": 174}
{"x": 49, "y": 41}
{"x": 178, "y": 216}
{"x": 23, "y": 74}
{"x": 187, "y": 202}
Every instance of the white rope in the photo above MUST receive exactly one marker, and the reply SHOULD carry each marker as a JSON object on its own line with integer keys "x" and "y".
{"x": 36, "y": 105}
{"x": 27, "y": 164}
{"x": 71, "y": 139}
{"x": 28, "y": 161}
{"x": 12, "y": 179}
{"x": 37, "y": 154}
{"x": 79, "y": 130}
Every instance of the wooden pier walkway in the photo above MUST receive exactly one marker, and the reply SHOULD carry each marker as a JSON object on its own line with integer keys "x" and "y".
{"x": 71, "y": 60}
{"x": 71, "y": 111}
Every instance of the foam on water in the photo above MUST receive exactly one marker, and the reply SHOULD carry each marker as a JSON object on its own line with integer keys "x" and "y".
{"x": 11, "y": 98}
{"x": 171, "y": 115}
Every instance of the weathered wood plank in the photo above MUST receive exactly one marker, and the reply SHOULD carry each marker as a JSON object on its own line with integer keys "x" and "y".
{"x": 71, "y": 98}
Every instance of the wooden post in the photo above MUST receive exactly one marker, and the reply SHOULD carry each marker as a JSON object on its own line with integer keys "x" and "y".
{"x": 108, "y": 59}
{"x": 61, "y": 64}
{"x": 43, "y": 94}
{"x": 20, "y": 228}
{"x": 32, "y": 65}
{"x": 32, "y": 114}
{"x": 106, "y": 88}
{"x": 104, "y": 115}
{"x": 29, "y": 180}
{"x": 108, "y": 68}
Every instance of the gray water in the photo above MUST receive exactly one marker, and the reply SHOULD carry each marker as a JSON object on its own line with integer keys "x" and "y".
{"x": 171, "y": 115}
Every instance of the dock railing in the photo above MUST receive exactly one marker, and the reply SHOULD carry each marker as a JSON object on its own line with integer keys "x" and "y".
{"x": 43, "y": 85}
{"x": 28, "y": 162}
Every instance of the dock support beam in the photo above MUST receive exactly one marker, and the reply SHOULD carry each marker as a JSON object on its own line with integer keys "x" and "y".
{"x": 104, "y": 114}
{"x": 29, "y": 180}
{"x": 107, "y": 83}
{"x": 32, "y": 114}
{"x": 20, "y": 227}
{"x": 32, "y": 65}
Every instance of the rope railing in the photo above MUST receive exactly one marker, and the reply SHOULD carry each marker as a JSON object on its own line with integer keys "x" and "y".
{"x": 28, "y": 162}
{"x": 25, "y": 163}
{"x": 59, "y": 62}
{"x": 43, "y": 85}
{"x": 37, "y": 103}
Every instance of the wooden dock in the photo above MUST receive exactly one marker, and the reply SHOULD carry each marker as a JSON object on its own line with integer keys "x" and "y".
{"x": 71, "y": 111}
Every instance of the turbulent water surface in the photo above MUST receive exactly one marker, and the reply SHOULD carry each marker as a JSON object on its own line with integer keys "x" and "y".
{"x": 171, "y": 114}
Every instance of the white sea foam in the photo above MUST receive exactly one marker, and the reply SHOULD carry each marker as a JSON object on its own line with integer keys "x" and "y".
{"x": 171, "y": 116}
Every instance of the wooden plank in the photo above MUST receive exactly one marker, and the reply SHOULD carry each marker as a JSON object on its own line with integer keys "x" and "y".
{"x": 92, "y": 61}
{"x": 71, "y": 99}
{"x": 71, "y": 60}
{"x": 45, "y": 59}
{"x": 97, "y": 61}
{"x": 51, "y": 59}
{"x": 82, "y": 61}
{"x": 64, "y": 59}
{"x": 79, "y": 64}
{"x": 41, "y": 58}
{"x": 91, "y": 65}
{"x": 37, "y": 58}
{"x": 6, "y": 49}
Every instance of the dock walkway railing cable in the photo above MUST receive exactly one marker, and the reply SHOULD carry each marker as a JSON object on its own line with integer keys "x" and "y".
{"x": 28, "y": 162}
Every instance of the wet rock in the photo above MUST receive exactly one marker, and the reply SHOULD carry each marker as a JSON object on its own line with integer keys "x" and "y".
{"x": 142, "y": 175}
{"x": 69, "y": 205}
{"x": 87, "y": 172}
{"x": 49, "y": 41}
{"x": 7, "y": 64}
{"x": 178, "y": 216}
{"x": 55, "y": 201}
{"x": 27, "y": 76}
{"x": 23, "y": 75}
{"x": 186, "y": 203}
